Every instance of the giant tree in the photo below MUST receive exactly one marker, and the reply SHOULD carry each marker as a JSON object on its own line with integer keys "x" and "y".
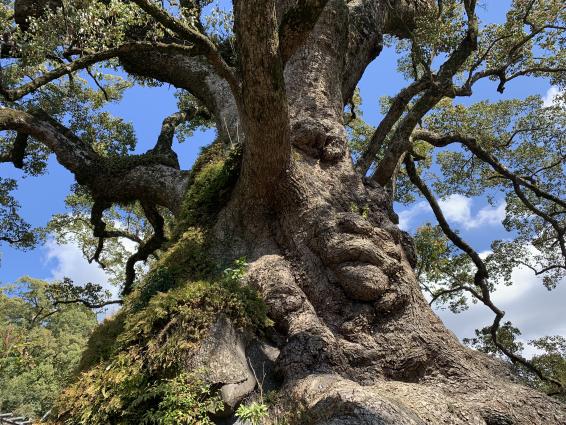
{"x": 347, "y": 332}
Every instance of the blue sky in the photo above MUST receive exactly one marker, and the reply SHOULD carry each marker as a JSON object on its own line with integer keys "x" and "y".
{"x": 536, "y": 311}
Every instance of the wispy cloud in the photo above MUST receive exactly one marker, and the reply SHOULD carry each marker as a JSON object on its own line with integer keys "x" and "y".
{"x": 531, "y": 307}
{"x": 551, "y": 96}
{"x": 68, "y": 261}
{"x": 458, "y": 210}
{"x": 406, "y": 216}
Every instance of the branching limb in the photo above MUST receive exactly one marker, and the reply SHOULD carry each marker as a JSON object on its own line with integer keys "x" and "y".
{"x": 472, "y": 144}
{"x": 165, "y": 140}
{"x": 88, "y": 60}
{"x": 480, "y": 278}
{"x": 398, "y": 106}
{"x": 16, "y": 154}
{"x": 202, "y": 44}
{"x": 147, "y": 248}
{"x": 99, "y": 230}
{"x": 441, "y": 86}
{"x": 560, "y": 230}
{"x": 71, "y": 152}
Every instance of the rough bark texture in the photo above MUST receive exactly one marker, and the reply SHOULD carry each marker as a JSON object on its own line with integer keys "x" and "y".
{"x": 358, "y": 342}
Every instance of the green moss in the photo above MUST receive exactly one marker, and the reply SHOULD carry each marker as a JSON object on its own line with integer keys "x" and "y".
{"x": 134, "y": 384}
{"x": 102, "y": 342}
{"x": 210, "y": 186}
{"x": 160, "y": 279}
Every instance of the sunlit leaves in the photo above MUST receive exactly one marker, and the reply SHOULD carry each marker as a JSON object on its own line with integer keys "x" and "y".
{"x": 39, "y": 349}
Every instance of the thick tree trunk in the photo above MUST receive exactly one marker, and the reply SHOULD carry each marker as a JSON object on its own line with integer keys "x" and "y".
{"x": 357, "y": 341}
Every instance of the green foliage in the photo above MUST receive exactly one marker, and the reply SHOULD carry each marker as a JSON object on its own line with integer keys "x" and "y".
{"x": 143, "y": 381}
{"x": 506, "y": 335}
{"x": 159, "y": 279}
{"x": 13, "y": 229}
{"x": 212, "y": 179}
{"x": 550, "y": 358}
{"x": 442, "y": 270}
{"x": 254, "y": 412}
{"x": 102, "y": 342}
{"x": 185, "y": 400}
{"x": 188, "y": 257}
{"x": 40, "y": 346}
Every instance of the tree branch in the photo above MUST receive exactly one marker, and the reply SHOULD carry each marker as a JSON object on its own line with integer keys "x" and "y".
{"x": 88, "y": 60}
{"x": 165, "y": 140}
{"x": 147, "y": 248}
{"x": 480, "y": 277}
{"x": 71, "y": 152}
{"x": 472, "y": 144}
{"x": 264, "y": 105}
{"x": 201, "y": 42}
{"x": 398, "y": 106}
{"x": 441, "y": 86}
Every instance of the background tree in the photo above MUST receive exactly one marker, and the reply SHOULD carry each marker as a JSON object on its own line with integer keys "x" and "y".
{"x": 40, "y": 346}
{"x": 353, "y": 339}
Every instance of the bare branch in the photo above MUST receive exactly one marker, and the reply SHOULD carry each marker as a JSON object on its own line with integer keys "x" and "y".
{"x": 94, "y": 306}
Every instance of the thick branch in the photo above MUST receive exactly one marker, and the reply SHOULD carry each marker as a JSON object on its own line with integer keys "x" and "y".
{"x": 441, "y": 86}
{"x": 165, "y": 140}
{"x": 72, "y": 153}
{"x": 398, "y": 106}
{"x": 202, "y": 43}
{"x": 88, "y": 60}
{"x": 264, "y": 106}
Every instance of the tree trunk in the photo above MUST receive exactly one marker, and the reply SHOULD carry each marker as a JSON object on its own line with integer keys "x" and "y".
{"x": 357, "y": 341}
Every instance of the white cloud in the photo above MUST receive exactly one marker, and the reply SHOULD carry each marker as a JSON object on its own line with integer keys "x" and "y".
{"x": 550, "y": 98}
{"x": 407, "y": 216}
{"x": 458, "y": 209}
{"x": 528, "y": 305}
{"x": 68, "y": 261}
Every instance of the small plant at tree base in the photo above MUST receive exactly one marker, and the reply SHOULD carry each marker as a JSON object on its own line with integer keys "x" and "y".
{"x": 237, "y": 272}
{"x": 254, "y": 412}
